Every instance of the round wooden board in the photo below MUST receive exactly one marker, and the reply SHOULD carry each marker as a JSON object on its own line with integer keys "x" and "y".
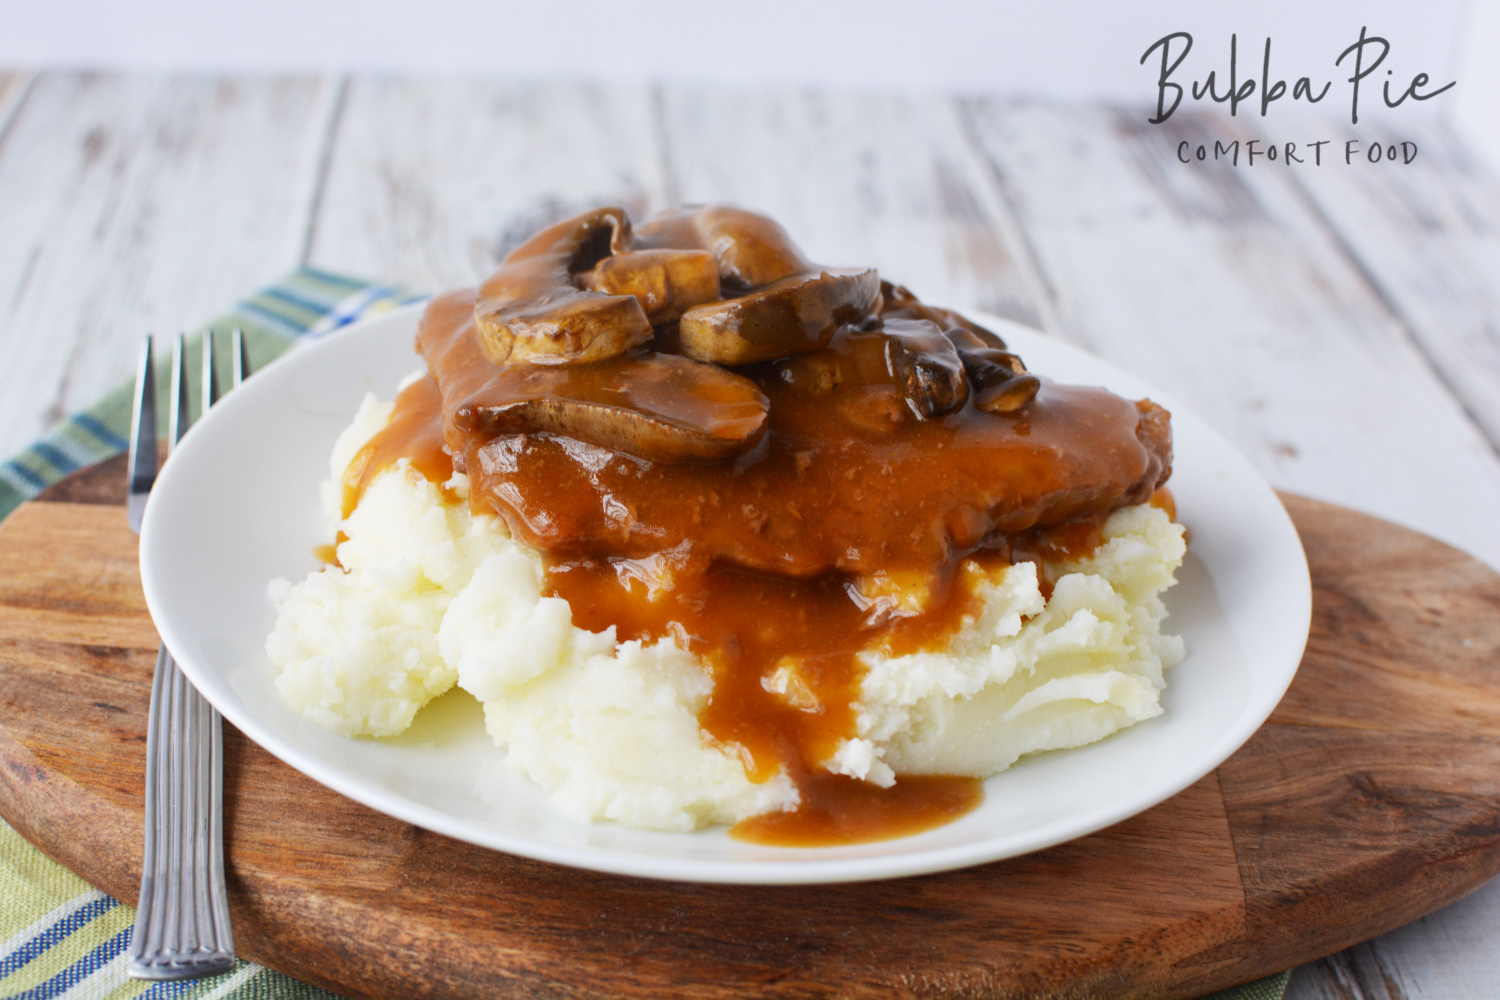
{"x": 1370, "y": 798}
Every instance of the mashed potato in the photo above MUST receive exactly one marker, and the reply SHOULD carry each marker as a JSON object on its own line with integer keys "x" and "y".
{"x": 433, "y": 596}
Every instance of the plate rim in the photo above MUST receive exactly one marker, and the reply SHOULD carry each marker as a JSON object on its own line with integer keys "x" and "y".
{"x": 806, "y": 868}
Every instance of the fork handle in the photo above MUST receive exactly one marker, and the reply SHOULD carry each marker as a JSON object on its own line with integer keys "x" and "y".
{"x": 182, "y": 918}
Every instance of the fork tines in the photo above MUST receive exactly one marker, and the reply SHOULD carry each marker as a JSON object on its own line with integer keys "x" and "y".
{"x": 142, "y": 460}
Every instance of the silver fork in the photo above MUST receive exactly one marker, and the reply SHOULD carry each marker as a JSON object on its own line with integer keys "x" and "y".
{"x": 182, "y": 918}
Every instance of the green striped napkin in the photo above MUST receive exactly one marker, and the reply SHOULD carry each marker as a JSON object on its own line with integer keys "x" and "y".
{"x": 306, "y": 304}
{"x": 59, "y": 936}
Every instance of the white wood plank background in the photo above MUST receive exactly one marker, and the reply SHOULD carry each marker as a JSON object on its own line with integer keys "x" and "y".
{"x": 899, "y": 187}
{"x": 132, "y": 203}
{"x": 431, "y": 183}
{"x": 1227, "y": 288}
{"x": 1428, "y": 238}
{"x": 1341, "y": 328}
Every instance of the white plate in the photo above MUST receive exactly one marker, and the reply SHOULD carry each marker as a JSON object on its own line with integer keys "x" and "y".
{"x": 237, "y": 506}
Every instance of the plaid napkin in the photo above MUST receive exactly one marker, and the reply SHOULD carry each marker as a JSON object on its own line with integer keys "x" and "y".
{"x": 305, "y": 305}
{"x": 59, "y": 936}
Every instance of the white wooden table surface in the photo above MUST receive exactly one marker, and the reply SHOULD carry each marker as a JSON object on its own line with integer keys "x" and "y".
{"x": 1340, "y": 325}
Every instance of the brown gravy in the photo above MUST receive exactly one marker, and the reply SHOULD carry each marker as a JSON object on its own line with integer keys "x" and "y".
{"x": 415, "y": 433}
{"x": 839, "y": 810}
{"x": 845, "y": 478}
{"x": 756, "y": 564}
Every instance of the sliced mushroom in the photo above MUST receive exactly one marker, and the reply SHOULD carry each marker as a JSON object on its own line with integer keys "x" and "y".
{"x": 813, "y": 373}
{"x": 667, "y": 283}
{"x": 897, "y": 301}
{"x": 1009, "y": 396}
{"x": 1000, "y": 381}
{"x": 531, "y": 310}
{"x": 752, "y": 250}
{"x": 673, "y": 229}
{"x": 789, "y": 316}
{"x": 926, "y": 366}
{"x": 658, "y": 407}
{"x": 784, "y": 305}
{"x": 967, "y": 340}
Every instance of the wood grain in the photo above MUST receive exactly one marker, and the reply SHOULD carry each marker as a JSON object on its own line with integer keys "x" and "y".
{"x": 1428, "y": 237}
{"x": 135, "y": 204}
{"x": 1449, "y": 954}
{"x": 431, "y": 183}
{"x": 13, "y": 89}
{"x": 1221, "y": 286}
{"x": 1342, "y": 818}
{"x": 901, "y": 187}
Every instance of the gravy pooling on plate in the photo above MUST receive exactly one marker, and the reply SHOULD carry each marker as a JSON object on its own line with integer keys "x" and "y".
{"x": 775, "y": 464}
